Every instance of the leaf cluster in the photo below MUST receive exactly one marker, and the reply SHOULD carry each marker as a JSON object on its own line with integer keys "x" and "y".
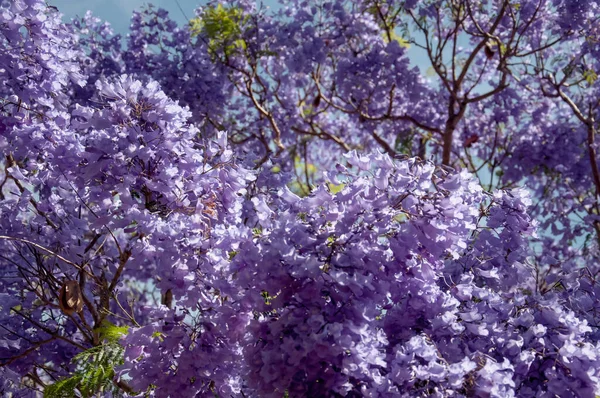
{"x": 95, "y": 367}
{"x": 387, "y": 21}
{"x": 222, "y": 26}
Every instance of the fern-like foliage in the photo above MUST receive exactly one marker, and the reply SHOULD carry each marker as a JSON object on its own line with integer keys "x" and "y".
{"x": 95, "y": 370}
{"x": 222, "y": 26}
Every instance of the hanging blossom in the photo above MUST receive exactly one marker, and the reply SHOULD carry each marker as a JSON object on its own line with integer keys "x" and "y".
{"x": 390, "y": 276}
{"x": 409, "y": 281}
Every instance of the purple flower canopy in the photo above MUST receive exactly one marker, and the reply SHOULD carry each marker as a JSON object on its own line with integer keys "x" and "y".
{"x": 278, "y": 205}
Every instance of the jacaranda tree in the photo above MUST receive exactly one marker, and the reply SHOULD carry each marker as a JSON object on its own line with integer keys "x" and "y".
{"x": 277, "y": 204}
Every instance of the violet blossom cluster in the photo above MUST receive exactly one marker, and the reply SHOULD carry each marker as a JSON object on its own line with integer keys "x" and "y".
{"x": 287, "y": 208}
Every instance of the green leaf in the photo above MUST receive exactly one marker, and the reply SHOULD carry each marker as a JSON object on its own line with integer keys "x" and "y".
{"x": 335, "y": 188}
{"x": 400, "y": 218}
{"x": 223, "y": 27}
{"x": 63, "y": 388}
{"x": 590, "y": 76}
{"x": 232, "y": 254}
{"x": 110, "y": 332}
{"x": 401, "y": 40}
{"x": 158, "y": 335}
{"x": 502, "y": 47}
{"x": 95, "y": 371}
{"x": 307, "y": 111}
{"x": 397, "y": 38}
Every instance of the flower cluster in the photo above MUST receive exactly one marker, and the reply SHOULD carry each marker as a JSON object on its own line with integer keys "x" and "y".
{"x": 278, "y": 205}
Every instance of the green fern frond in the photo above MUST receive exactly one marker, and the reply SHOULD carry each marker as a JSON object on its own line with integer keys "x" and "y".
{"x": 222, "y": 26}
{"x": 63, "y": 388}
{"x": 95, "y": 370}
{"x": 111, "y": 332}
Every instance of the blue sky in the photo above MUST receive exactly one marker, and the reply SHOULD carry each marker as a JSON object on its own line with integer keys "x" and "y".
{"x": 118, "y": 12}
